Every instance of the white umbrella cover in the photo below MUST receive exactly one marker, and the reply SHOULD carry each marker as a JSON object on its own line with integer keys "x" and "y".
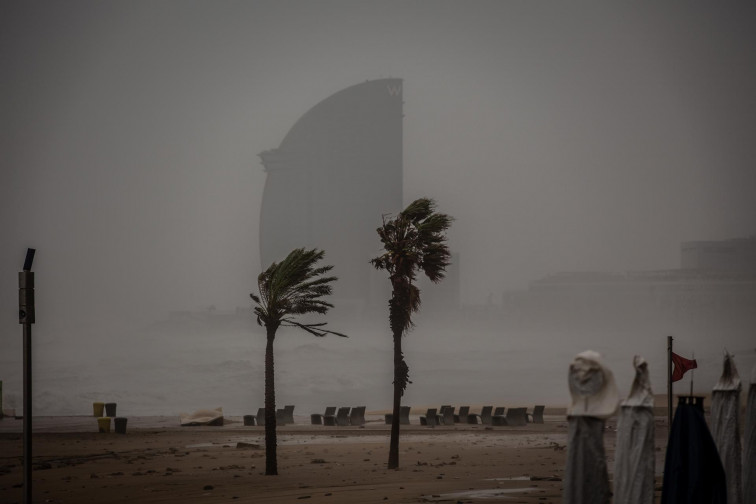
{"x": 749, "y": 457}
{"x": 634, "y": 462}
{"x": 725, "y": 428}
{"x": 594, "y": 398}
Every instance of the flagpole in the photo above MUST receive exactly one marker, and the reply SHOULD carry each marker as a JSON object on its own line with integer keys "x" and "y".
{"x": 692, "y": 371}
{"x": 669, "y": 385}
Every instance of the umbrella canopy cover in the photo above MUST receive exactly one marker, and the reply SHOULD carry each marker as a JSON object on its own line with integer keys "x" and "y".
{"x": 634, "y": 457}
{"x": 693, "y": 473}
{"x": 749, "y": 457}
{"x": 586, "y": 479}
{"x": 725, "y": 428}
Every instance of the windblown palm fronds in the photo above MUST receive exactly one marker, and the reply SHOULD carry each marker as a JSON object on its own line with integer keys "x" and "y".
{"x": 413, "y": 241}
{"x": 294, "y": 287}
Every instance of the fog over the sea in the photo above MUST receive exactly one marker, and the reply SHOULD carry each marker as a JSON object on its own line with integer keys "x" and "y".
{"x": 562, "y": 137}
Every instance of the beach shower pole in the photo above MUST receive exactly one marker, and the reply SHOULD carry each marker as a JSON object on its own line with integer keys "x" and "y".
{"x": 26, "y": 318}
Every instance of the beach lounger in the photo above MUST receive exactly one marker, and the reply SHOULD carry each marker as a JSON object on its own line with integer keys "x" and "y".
{"x": 447, "y": 415}
{"x": 261, "y": 416}
{"x": 288, "y": 414}
{"x": 430, "y": 419}
{"x": 404, "y": 412}
{"x": 498, "y": 417}
{"x": 342, "y": 416}
{"x": 537, "y": 416}
{"x": 516, "y": 417}
{"x": 464, "y": 411}
{"x": 484, "y": 416}
{"x": 357, "y": 416}
{"x": 317, "y": 418}
{"x": 330, "y": 419}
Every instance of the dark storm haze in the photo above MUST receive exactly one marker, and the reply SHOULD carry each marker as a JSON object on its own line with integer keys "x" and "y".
{"x": 562, "y": 138}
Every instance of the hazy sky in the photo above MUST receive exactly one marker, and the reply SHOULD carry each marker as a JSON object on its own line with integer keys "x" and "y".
{"x": 580, "y": 136}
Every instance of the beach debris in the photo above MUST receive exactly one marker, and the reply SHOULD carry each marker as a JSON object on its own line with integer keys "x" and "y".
{"x": 208, "y": 487}
{"x": 545, "y": 478}
{"x": 318, "y": 461}
{"x": 492, "y": 493}
{"x": 229, "y": 467}
{"x": 202, "y": 417}
{"x": 248, "y": 446}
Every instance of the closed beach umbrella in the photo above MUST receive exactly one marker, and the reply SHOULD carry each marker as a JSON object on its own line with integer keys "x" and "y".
{"x": 693, "y": 473}
{"x": 749, "y": 458}
{"x": 594, "y": 399}
{"x": 634, "y": 464}
{"x": 725, "y": 428}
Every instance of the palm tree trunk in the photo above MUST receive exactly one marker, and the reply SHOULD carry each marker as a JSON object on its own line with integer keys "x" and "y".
{"x": 393, "y": 461}
{"x": 271, "y": 462}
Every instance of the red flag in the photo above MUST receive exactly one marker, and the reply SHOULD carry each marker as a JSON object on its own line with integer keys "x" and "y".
{"x": 681, "y": 366}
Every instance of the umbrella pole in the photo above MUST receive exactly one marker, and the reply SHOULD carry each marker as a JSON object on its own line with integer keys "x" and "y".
{"x": 669, "y": 385}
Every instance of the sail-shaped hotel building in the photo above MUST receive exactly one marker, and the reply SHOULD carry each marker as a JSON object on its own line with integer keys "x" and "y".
{"x": 337, "y": 170}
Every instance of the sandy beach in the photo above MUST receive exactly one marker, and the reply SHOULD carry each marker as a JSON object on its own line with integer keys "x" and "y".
{"x": 159, "y": 461}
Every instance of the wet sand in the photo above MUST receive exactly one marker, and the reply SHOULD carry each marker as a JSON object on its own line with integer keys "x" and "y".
{"x": 158, "y": 461}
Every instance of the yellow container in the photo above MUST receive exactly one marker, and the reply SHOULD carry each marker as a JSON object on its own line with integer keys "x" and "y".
{"x": 103, "y": 424}
{"x": 98, "y": 408}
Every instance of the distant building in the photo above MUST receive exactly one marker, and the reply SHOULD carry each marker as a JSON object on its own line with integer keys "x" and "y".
{"x": 335, "y": 173}
{"x": 732, "y": 255}
{"x": 715, "y": 290}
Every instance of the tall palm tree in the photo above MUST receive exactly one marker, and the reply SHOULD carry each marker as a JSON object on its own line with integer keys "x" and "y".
{"x": 286, "y": 289}
{"x": 413, "y": 241}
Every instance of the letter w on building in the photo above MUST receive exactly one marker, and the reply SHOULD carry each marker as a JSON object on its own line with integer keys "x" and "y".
{"x": 394, "y": 89}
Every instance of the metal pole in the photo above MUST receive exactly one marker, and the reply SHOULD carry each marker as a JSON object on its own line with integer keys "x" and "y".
{"x": 26, "y": 318}
{"x": 692, "y": 371}
{"x": 27, "y": 414}
{"x": 669, "y": 385}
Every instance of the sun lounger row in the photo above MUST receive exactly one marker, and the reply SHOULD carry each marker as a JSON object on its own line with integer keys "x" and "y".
{"x": 343, "y": 417}
{"x": 487, "y": 416}
{"x": 445, "y": 415}
{"x": 283, "y": 416}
